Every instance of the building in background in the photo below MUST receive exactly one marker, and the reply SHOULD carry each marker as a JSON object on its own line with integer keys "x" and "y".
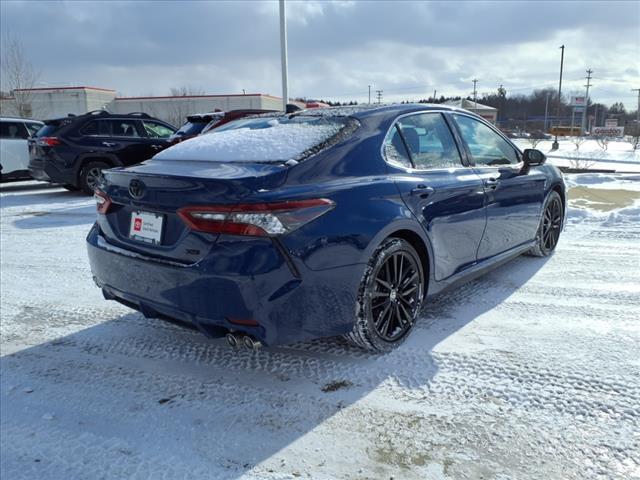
{"x": 61, "y": 101}
{"x": 488, "y": 113}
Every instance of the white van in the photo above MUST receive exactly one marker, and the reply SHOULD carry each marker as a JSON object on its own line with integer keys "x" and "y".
{"x": 14, "y": 152}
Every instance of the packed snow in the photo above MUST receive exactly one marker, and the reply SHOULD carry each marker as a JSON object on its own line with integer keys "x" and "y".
{"x": 258, "y": 140}
{"x": 530, "y": 372}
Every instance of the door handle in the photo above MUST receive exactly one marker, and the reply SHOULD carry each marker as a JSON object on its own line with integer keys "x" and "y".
{"x": 491, "y": 183}
{"x": 157, "y": 147}
{"x": 422, "y": 191}
{"x": 109, "y": 144}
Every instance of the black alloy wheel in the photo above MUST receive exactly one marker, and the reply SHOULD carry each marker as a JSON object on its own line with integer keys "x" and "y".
{"x": 390, "y": 297}
{"x": 550, "y": 226}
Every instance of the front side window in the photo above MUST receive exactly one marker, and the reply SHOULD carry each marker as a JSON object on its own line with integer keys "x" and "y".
{"x": 486, "y": 146}
{"x": 123, "y": 128}
{"x": 429, "y": 141}
{"x": 156, "y": 130}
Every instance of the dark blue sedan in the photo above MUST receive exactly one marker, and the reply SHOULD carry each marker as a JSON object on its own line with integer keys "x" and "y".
{"x": 281, "y": 228}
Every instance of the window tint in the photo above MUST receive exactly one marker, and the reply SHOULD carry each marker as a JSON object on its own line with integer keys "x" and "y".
{"x": 13, "y": 130}
{"x": 394, "y": 150}
{"x": 157, "y": 130}
{"x": 487, "y": 147}
{"x": 429, "y": 141}
{"x": 48, "y": 130}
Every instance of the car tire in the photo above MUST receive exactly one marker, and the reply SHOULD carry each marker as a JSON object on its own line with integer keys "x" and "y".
{"x": 550, "y": 226}
{"x": 71, "y": 188}
{"x": 89, "y": 175}
{"x": 389, "y": 298}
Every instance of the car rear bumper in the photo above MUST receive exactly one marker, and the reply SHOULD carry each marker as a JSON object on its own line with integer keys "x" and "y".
{"x": 49, "y": 171}
{"x": 210, "y": 296}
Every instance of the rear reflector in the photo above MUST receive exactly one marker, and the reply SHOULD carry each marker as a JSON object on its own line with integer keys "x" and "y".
{"x": 48, "y": 141}
{"x": 254, "y": 219}
{"x": 248, "y": 322}
{"x": 103, "y": 202}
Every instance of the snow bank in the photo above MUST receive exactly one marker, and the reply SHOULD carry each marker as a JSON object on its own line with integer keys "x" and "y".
{"x": 255, "y": 140}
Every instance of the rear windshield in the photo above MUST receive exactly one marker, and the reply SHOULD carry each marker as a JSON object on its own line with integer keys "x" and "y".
{"x": 264, "y": 139}
{"x": 191, "y": 128}
{"x": 48, "y": 130}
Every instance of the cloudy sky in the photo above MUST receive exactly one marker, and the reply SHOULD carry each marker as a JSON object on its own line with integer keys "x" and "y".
{"x": 336, "y": 49}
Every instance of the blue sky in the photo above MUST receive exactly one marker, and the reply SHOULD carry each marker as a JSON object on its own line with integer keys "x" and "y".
{"x": 336, "y": 49}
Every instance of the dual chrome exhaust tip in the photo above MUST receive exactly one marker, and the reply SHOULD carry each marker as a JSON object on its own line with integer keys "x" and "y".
{"x": 236, "y": 340}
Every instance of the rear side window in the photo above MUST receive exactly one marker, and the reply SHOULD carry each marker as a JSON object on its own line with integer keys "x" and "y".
{"x": 486, "y": 146}
{"x": 394, "y": 149}
{"x": 13, "y": 130}
{"x": 111, "y": 128}
{"x": 429, "y": 141}
{"x": 265, "y": 139}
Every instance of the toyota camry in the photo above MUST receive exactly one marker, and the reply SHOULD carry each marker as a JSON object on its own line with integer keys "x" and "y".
{"x": 343, "y": 221}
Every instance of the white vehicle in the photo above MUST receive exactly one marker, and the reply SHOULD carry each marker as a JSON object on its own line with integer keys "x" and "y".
{"x": 14, "y": 152}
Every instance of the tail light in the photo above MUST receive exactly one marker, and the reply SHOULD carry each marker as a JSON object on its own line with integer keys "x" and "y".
{"x": 103, "y": 202}
{"x": 48, "y": 141}
{"x": 254, "y": 219}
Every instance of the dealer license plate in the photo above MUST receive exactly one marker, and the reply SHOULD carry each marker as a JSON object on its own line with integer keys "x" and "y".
{"x": 146, "y": 227}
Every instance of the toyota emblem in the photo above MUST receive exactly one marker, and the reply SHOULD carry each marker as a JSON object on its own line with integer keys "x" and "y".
{"x": 136, "y": 188}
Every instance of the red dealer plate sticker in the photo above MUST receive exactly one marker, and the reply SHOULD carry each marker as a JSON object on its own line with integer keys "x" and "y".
{"x": 146, "y": 226}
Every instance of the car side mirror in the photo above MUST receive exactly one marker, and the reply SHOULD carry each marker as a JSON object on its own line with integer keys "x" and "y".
{"x": 533, "y": 157}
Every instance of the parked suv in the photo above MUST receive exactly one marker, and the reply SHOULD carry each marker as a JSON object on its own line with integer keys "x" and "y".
{"x": 73, "y": 151}
{"x": 200, "y": 123}
{"x": 14, "y": 152}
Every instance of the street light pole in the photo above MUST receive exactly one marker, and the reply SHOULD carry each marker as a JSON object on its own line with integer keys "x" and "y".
{"x": 369, "y": 94}
{"x": 283, "y": 56}
{"x": 546, "y": 113}
{"x": 555, "y": 142}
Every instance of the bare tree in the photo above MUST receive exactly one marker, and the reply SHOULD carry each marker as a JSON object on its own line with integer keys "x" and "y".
{"x": 577, "y": 141}
{"x": 534, "y": 142}
{"x": 185, "y": 91}
{"x": 18, "y": 76}
{"x": 603, "y": 142}
{"x": 633, "y": 140}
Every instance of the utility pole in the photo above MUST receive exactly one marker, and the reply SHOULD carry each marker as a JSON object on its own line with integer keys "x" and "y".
{"x": 283, "y": 56}
{"x": 638, "y": 112}
{"x": 379, "y": 93}
{"x": 586, "y": 103}
{"x": 475, "y": 93}
{"x": 546, "y": 112}
{"x": 555, "y": 142}
{"x": 369, "y": 94}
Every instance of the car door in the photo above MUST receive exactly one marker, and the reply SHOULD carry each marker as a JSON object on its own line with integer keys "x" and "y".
{"x": 14, "y": 151}
{"x": 156, "y": 137}
{"x": 513, "y": 198}
{"x": 445, "y": 197}
{"x": 119, "y": 138}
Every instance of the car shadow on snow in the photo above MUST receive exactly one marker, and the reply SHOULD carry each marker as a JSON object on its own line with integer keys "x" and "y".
{"x": 47, "y": 208}
{"x": 174, "y": 399}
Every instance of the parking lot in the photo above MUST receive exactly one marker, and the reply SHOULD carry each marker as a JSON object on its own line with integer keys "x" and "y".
{"x": 531, "y": 371}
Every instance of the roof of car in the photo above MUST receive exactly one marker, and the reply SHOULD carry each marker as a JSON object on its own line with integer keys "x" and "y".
{"x": 362, "y": 111}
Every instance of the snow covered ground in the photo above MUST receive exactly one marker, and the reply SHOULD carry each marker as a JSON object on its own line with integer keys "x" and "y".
{"x": 619, "y": 155}
{"x": 531, "y": 372}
